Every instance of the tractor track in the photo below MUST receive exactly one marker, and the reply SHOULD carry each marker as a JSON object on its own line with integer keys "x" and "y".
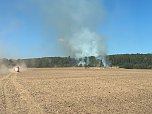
{"x": 3, "y": 83}
{"x": 15, "y": 98}
{"x": 34, "y": 107}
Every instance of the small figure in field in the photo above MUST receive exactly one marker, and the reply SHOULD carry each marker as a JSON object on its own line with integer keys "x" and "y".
{"x": 17, "y": 69}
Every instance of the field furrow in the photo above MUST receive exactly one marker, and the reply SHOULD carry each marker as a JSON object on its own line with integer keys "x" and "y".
{"x": 26, "y": 98}
{"x": 76, "y": 91}
{"x": 3, "y": 82}
{"x": 15, "y": 99}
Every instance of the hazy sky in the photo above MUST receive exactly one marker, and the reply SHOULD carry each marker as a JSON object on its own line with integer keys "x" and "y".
{"x": 126, "y": 26}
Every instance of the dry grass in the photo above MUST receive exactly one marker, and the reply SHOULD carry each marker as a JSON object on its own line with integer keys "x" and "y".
{"x": 76, "y": 91}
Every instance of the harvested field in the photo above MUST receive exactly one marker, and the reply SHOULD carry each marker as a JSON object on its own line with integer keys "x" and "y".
{"x": 76, "y": 91}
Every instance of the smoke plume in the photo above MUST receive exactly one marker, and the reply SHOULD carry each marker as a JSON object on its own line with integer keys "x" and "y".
{"x": 76, "y": 23}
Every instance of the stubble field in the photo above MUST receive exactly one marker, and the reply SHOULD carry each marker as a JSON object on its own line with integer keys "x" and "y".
{"x": 76, "y": 91}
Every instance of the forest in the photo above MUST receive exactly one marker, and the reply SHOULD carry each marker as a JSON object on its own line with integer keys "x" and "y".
{"x": 128, "y": 61}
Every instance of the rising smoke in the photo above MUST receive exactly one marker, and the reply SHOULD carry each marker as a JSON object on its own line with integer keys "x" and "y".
{"x": 76, "y": 23}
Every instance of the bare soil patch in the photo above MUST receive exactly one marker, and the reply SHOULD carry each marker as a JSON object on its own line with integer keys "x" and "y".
{"x": 76, "y": 91}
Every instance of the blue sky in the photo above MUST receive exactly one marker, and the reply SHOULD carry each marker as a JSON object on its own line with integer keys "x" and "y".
{"x": 127, "y": 28}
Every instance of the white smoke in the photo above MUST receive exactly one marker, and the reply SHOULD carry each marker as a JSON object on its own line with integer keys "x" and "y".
{"x": 85, "y": 43}
{"x": 76, "y": 23}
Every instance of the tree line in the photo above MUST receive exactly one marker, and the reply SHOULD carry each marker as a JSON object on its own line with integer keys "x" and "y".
{"x": 131, "y": 61}
{"x": 128, "y": 61}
